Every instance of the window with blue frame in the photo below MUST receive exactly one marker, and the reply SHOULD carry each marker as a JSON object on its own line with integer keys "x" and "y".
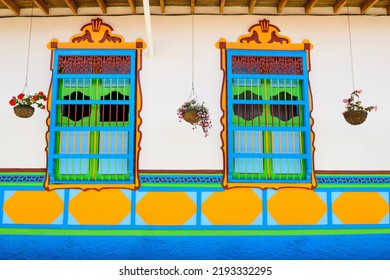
{"x": 268, "y": 117}
{"x": 92, "y": 117}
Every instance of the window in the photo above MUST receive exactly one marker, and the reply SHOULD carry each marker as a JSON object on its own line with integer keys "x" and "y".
{"x": 93, "y": 121}
{"x": 268, "y": 128}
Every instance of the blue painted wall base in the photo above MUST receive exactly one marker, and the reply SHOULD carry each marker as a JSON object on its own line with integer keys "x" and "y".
{"x": 329, "y": 247}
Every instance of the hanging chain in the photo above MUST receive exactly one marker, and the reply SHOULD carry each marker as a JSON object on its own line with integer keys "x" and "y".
{"x": 350, "y": 47}
{"x": 193, "y": 52}
{"x": 28, "y": 49}
{"x": 193, "y": 94}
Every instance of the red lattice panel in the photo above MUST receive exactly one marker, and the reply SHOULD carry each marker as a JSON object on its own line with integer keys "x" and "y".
{"x": 282, "y": 65}
{"x": 93, "y": 64}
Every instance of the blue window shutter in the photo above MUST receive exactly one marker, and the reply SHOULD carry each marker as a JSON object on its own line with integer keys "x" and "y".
{"x": 92, "y": 120}
{"x": 268, "y": 120}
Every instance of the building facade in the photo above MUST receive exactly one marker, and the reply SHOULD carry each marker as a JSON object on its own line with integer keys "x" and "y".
{"x": 110, "y": 155}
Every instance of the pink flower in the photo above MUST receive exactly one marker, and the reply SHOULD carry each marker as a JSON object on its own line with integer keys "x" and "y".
{"x": 359, "y": 91}
{"x": 375, "y": 107}
{"x": 345, "y": 100}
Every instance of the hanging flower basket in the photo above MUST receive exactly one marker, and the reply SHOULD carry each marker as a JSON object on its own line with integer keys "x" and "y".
{"x": 355, "y": 113}
{"x": 24, "y": 111}
{"x": 191, "y": 116}
{"x": 355, "y": 117}
{"x": 195, "y": 114}
{"x": 24, "y": 104}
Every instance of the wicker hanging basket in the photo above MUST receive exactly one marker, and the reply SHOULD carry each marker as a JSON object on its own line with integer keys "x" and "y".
{"x": 355, "y": 117}
{"x": 191, "y": 116}
{"x": 24, "y": 111}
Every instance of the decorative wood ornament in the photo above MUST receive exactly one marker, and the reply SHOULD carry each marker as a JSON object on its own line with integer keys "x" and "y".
{"x": 97, "y": 53}
{"x": 264, "y": 36}
{"x": 284, "y": 62}
{"x": 97, "y": 35}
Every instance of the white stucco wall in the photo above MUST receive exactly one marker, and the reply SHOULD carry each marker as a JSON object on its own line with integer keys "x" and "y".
{"x": 166, "y": 84}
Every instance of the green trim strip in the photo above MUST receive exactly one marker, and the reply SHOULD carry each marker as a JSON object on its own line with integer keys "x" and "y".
{"x": 56, "y": 232}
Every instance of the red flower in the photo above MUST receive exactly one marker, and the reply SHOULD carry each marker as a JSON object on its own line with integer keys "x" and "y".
{"x": 30, "y": 99}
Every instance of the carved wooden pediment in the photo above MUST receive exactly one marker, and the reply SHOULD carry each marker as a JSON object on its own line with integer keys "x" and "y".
{"x": 266, "y": 36}
{"x": 97, "y": 35}
{"x": 264, "y": 33}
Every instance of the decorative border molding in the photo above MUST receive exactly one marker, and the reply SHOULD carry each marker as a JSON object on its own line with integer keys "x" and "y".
{"x": 15, "y": 178}
{"x": 174, "y": 177}
{"x": 180, "y": 179}
{"x": 353, "y": 179}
